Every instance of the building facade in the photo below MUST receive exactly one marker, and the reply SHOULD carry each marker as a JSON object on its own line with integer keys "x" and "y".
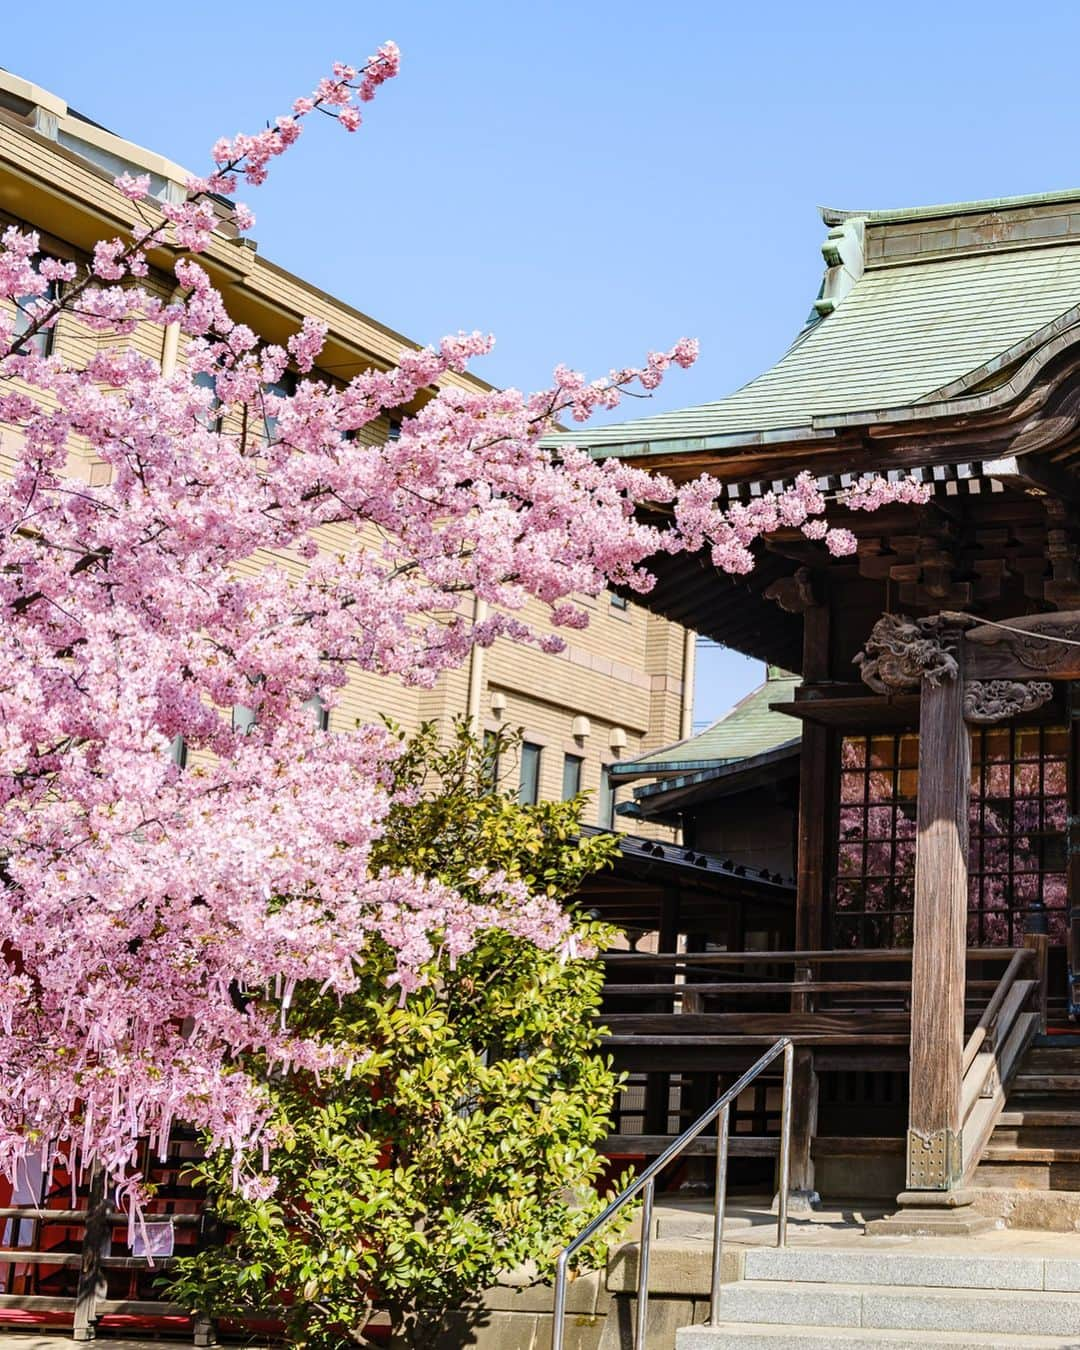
{"x": 622, "y": 686}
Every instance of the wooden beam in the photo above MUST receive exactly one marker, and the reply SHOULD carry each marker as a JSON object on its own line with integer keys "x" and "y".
{"x": 1025, "y": 649}
{"x": 899, "y": 710}
{"x": 934, "y": 1159}
{"x": 813, "y": 792}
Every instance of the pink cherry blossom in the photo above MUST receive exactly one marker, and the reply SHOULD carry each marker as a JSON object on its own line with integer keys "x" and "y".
{"x": 155, "y": 921}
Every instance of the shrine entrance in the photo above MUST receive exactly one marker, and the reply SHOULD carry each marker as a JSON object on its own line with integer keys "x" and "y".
{"x": 1018, "y": 839}
{"x": 992, "y": 783}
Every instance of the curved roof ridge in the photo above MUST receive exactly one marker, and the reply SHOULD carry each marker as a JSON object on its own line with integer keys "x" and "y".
{"x": 836, "y": 216}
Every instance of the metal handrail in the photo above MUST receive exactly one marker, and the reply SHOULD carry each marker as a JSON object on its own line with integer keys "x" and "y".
{"x": 646, "y": 1183}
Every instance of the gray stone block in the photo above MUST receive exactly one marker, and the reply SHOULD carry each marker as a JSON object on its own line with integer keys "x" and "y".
{"x": 495, "y": 1331}
{"x": 968, "y": 1310}
{"x": 763, "y": 1301}
{"x": 731, "y": 1336}
{"x": 888, "y": 1266}
{"x": 675, "y": 1268}
{"x": 1061, "y": 1274}
{"x": 581, "y": 1295}
{"x": 666, "y": 1316}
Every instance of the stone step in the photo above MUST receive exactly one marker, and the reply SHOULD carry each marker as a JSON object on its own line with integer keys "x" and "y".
{"x": 695, "y": 1223}
{"x": 1000, "y": 1312}
{"x": 884, "y": 1263}
{"x": 735, "y": 1334}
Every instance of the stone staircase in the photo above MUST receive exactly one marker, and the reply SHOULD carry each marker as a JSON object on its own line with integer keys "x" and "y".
{"x": 1029, "y": 1174}
{"x": 906, "y": 1298}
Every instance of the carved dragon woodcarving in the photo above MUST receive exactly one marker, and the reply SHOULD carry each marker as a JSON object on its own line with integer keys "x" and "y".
{"x": 997, "y": 700}
{"x": 900, "y": 653}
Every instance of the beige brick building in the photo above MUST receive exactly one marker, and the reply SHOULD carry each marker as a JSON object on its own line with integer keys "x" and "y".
{"x": 622, "y": 687}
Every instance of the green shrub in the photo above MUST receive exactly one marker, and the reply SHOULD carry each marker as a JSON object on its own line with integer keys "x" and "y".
{"x": 462, "y": 1144}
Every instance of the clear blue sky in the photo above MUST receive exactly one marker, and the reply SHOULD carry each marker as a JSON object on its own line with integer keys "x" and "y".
{"x": 588, "y": 179}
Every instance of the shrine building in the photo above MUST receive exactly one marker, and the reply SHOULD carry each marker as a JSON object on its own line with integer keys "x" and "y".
{"x": 919, "y": 767}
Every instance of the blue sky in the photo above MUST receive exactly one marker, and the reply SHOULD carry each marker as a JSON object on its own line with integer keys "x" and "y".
{"x": 589, "y": 179}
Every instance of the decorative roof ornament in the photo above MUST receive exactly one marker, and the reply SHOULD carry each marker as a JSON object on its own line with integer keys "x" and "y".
{"x": 844, "y": 253}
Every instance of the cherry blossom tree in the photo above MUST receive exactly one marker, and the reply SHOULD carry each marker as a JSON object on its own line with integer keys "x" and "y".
{"x": 156, "y": 921}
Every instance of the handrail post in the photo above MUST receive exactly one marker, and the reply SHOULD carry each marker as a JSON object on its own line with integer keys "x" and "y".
{"x": 558, "y": 1311}
{"x": 785, "y": 1145}
{"x": 644, "y": 1251}
{"x": 719, "y": 1204}
{"x": 1037, "y": 942}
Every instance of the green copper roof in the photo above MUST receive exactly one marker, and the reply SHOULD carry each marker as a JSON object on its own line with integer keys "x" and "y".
{"x": 749, "y": 728}
{"x": 917, "y": 305}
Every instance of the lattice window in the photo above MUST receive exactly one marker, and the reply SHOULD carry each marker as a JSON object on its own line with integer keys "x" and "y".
{"x": 1019, "y": 810}
{"x": 1017, "y": 852}
{"x": 874, "y": 888}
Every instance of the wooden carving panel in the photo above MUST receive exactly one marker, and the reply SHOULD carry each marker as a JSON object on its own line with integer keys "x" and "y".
{"x": 1034, "y": 646}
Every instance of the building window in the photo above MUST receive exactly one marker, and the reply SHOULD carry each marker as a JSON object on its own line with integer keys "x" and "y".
{"x": 243, "y": 718}
{"x": 320, "y": 713}
{"x": 42, "y": 341}
{"x": 874, "y": 887}
{"x": 605, "y": 814}
{"x": 490, "y": 766}
{"x": 529, "y": 787}
{"x": 283, "y": 388}
{"x": 571, "y": 776}
{"x": 393, "y": 429}
{"x": 1017, "y": 851}
{"x": 214, "y": 415}
{"x": 178, "y": 751}
{"x": 619, "y": 601}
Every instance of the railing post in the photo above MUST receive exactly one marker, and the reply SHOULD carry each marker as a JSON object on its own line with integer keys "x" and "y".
{"x": 785, "y": 1145}
{"x": 1037, "y": 941}
{"x": 804, "y": 1119}
{"x": 719, "y": 1203}
{"x": 644, "y": 1252}
{"x": 558, "y": 1311}
{"x": 95, "y": 1244}
{"x": 645, "y": 1185}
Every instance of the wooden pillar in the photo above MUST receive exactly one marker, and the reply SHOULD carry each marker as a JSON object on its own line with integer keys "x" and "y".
{"x": 658, "y": 1085}
{"x": 813, "y": 830}
{"x": 95, "y": 1245}
{"x": 812, "y": 846}
{"x": 934, "y": 1146}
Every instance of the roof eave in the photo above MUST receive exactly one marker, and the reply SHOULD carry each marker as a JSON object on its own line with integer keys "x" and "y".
{"x": 1042, "y": 347}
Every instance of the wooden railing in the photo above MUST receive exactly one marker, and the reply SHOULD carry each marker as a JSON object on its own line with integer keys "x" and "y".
{"x": 846, "y": 1009}
{"x": 819, "y": 1004}
{"x": 1008, "y": 1024}
{"x": 93, "y": 1260}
